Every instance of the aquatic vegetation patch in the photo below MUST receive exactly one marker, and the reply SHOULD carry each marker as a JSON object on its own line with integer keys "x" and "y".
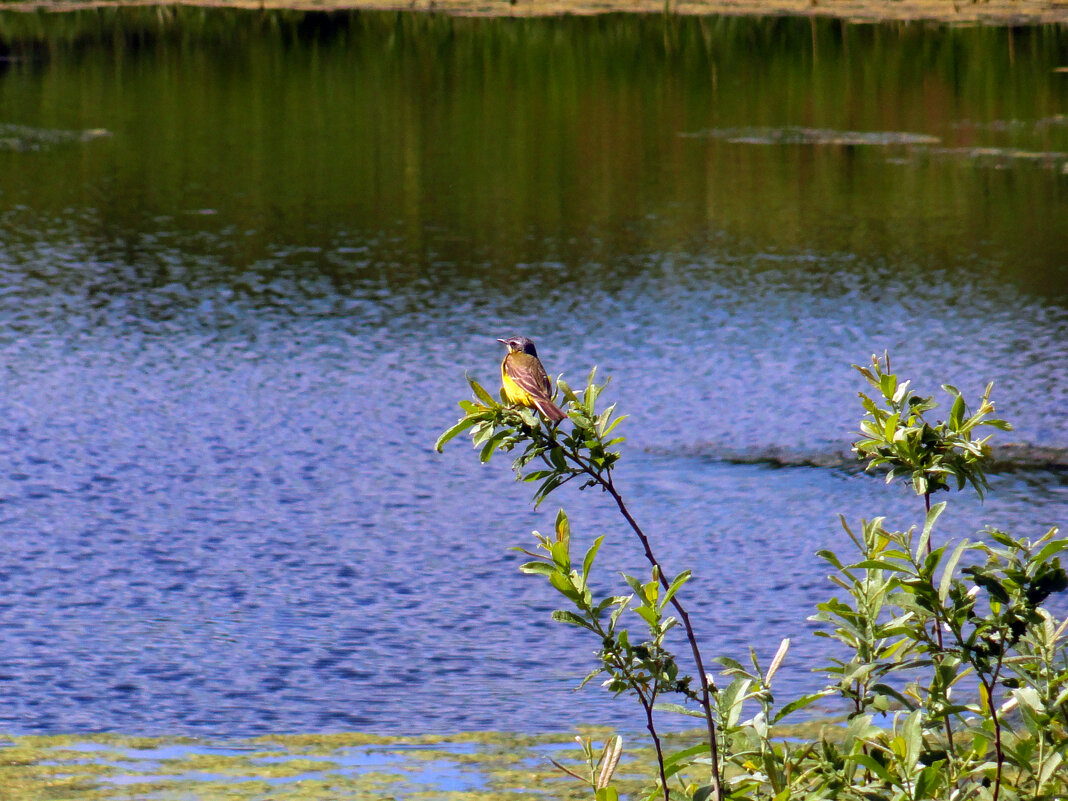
{"x": 1003, "y": 157}
{"x": 23, "y": 138}
{"x": 473, "y": 766}
{"x": 918, "y": 145}
{"x": 793, "y": 135}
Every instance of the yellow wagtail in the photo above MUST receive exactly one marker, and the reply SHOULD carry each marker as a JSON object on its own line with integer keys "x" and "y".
{"x": 524, "y": 380}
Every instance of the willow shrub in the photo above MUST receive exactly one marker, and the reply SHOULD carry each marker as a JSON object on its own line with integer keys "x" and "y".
{"x": 950, "y": 669}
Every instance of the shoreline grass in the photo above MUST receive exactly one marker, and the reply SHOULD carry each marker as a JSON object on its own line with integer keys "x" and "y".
{"x": 951, "y": 12}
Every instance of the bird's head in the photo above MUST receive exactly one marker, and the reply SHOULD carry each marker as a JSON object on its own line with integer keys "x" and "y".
{"x": 520, "y": 345}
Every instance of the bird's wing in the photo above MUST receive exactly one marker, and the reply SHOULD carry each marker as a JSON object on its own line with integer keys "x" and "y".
{"x": 530, "y": 376}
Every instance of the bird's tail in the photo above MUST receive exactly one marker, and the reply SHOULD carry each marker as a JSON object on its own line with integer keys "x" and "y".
{"x": 549, "y": 409}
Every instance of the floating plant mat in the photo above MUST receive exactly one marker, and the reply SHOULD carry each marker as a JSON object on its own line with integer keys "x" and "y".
{"x": 468, "y": 767}
{"x": 23, "y": 138}
{"x": 919, "y": 145}
{"x": 813, "y": 136}
{"x": 1000, "y": 156}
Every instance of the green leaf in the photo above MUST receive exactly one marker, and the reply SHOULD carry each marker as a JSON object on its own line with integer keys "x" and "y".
{"x": 1052, "y": 547}
{"x": 1051, "y": 766}
{"x": 704, "y": 793}
{"x": 590, "y": 677}
{"x": 679, "y": 709}
{"x": 730, "y": 664}
{"x": 875, "y": 564}
{"x": 872, "y": 431}
{"x": 912, "y": 731}
{"x": 563, "y": 584}
{"x": 491, "y": 445}
{"x": 929, "y": 521}
{"x": 950, "y": 389}
{"x": 887, "y": 385}
{"x": 547, "y": 486}
{"x": 799, "y": 703}
{"x": 556, "y": 456}
{"x": 904, "y": 700}
{"x": 676, "y": 585}
{"x": 565, "y": 389}
{"x": 951, "y": 566}
{"x": 461, "y": 425}
{"x": 530, "y": 419}
{"x": 680, "y": 760}
{"x": 607, "y": 794}
{"x": 537, "y": 475}
{"x": 648, "y": 614}
{"x": 873, "y": 765}
{"x": 956, "y": 414}
{"x": 890, "y": 427}
{"x": 560, "y": 551}
{"x": 564, "y": 616}
{"x": 481, "y": 394}
{"x": 608, "y": 430}
{"x": 587, "y": 563}
{"x": 831, "y": 556}
{"x": 989, "y": 583}
{"x": 732, "y": 698}
{"x": 589, "y": 397}
{"x": 624, "y": 602}
{"x": 537, "y": 568}
{"x": 929, "y": 780}
{"x": 482, "y": 432}
{"x": 563, "y": 526}
{"x": 634, "y": 584}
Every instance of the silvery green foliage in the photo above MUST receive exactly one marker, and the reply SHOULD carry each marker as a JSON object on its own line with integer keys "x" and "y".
{"x": 951, "y": 669}
{"x": 897, "y": 435}
{"x": 643, "y": 666}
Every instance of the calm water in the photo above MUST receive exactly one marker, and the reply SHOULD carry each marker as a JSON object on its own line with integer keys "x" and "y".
{"x": 246, "y": 260}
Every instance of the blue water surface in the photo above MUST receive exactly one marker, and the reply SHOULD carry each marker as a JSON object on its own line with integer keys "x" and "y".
{"x": 220, "y": 509}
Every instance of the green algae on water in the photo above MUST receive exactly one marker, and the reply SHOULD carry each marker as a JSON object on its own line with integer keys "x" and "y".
{"x": 475, "y": 766}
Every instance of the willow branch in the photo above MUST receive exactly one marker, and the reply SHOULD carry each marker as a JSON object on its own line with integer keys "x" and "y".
{"x": 705, "y": 698}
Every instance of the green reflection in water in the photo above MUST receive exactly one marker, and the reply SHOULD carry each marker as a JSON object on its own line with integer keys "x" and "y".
{"x": 406, "y": 142}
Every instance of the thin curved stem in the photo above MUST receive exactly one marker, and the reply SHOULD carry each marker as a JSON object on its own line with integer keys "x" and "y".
{"x": 998, "y": 750}
{"x": 938, "y": 634}
{"x": 705, "y": 698}
{"x": 647, "y": 705}
{"x": 597, "y": 475}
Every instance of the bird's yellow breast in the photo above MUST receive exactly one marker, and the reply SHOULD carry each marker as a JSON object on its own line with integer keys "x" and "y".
{"x": 512, "y": 391}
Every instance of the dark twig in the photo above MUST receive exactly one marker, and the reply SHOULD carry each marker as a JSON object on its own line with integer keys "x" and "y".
{"x": 647, "y": 705}
{"x": 938, "y": 635}
{"x": 705, "y": 697}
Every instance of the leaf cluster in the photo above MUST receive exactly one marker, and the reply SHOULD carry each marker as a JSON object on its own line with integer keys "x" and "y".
{"x": 587, "y": 451}
{"x": 1000, "y": 640}
{"x": 646, "y": 667}
{"x": 642, "y": 667}
{"x": 951, "y": 668}
{"x": 584, "y": 448}
{"x": 898, "y": 435}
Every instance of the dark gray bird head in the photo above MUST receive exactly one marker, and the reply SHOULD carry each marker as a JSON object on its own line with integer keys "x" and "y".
{"x": 520, "y": 344}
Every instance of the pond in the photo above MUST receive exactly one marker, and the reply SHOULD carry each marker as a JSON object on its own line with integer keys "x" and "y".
{"x": 247, "y": 258}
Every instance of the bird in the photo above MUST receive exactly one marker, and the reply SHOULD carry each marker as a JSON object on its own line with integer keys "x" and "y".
{"x": 524, "y": 380}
